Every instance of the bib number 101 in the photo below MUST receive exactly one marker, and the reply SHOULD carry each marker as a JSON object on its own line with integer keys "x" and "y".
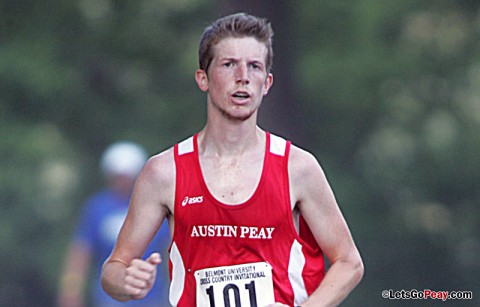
{"x": 235, "y": 286}
{"x": 232, "y": 289}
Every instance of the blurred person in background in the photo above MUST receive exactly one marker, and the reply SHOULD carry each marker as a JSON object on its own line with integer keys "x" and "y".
{"x": 99, "y": 224}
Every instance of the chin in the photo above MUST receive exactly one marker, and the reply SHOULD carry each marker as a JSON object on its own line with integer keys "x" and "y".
{"x": 239, "y": 116}
{"x": 236, "y": 114}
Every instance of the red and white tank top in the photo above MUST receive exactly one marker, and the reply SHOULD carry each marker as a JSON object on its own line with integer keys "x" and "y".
{"x": 248, "y": 254}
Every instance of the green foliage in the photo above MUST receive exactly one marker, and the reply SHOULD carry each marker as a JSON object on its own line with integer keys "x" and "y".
{"x": 390, "y": 95}
{"x": 387, "y": 93}
{"x": 74, "y": 77}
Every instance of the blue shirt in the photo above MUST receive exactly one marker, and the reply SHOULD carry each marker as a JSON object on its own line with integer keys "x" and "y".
{"x": 99, "y": 225}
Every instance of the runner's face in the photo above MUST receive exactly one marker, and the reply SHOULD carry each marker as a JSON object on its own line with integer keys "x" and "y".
{"x": 237, "y": 78}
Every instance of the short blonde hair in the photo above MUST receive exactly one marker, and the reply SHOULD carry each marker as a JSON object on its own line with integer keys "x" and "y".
{"x": 235, "y": 25}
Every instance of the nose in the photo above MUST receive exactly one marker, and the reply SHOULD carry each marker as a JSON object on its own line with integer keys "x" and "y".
{"x": 242, "y": 74}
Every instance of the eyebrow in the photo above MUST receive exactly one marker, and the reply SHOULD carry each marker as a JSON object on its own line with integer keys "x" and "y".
{"x": 256, "y": 61}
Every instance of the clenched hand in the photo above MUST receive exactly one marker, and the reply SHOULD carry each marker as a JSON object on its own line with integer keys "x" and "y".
{"x": 140, "y": 276}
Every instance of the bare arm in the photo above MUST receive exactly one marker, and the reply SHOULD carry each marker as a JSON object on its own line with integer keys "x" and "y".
{"x": 125, "y": 275}
{"x": 317, "y": 204}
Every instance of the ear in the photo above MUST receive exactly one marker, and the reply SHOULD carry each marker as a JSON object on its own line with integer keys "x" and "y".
{"x": 268, "y": 84}
{"x": 202, "y": 80}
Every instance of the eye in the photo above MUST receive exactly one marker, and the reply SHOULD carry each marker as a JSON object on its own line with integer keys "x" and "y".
{"x": 227, "y": 64}
{"x": 255, "y": 66}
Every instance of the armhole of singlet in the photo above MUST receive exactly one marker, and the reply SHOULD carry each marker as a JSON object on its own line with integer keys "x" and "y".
{"x": 295, "y": 220}
{"x": 184, "y": 147}
{"x": 177, "y": 174}
{"x": 179, "y": 149}
{"x": 300, "y": 229}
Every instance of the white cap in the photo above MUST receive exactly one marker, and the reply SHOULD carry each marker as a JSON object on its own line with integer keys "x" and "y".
{"x": 123, "y": 158}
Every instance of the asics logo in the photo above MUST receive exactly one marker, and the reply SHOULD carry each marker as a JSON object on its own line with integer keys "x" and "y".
{"x": 192, "y": 200}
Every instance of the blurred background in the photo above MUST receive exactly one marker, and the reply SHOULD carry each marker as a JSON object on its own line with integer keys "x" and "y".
{"x": 385, "y": 93}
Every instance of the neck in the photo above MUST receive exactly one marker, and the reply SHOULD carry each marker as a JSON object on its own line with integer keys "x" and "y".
{"x": 230, "y": 140}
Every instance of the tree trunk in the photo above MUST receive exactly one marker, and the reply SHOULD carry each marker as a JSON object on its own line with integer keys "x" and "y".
{"x": 280, "y": 110}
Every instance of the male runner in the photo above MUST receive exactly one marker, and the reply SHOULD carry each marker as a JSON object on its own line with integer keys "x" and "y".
{"x": 251, "y": 214}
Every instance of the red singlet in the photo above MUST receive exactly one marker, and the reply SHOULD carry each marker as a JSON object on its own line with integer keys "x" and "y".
{"x": 248, "y": 254}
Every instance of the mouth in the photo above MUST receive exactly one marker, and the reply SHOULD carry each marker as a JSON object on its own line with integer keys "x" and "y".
{"x": 241, "y": 95}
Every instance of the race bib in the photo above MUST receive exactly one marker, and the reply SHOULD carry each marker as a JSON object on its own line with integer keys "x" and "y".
{"x": 244, "y": 285}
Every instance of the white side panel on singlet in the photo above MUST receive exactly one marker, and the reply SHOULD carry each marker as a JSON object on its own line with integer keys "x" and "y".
{"x": 178, "y": 275}
{"x": 295, "y": 269}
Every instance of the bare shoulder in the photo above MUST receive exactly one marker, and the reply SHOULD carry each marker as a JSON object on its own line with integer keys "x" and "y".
{"x": 303, "y": 164}
{"x": 157, "y": 179}
{"x": 308, "y": 184}
{"x": 160, "y": 168}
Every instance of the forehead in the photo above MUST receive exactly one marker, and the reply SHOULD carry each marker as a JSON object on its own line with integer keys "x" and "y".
{"x": 240, "y": 47}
